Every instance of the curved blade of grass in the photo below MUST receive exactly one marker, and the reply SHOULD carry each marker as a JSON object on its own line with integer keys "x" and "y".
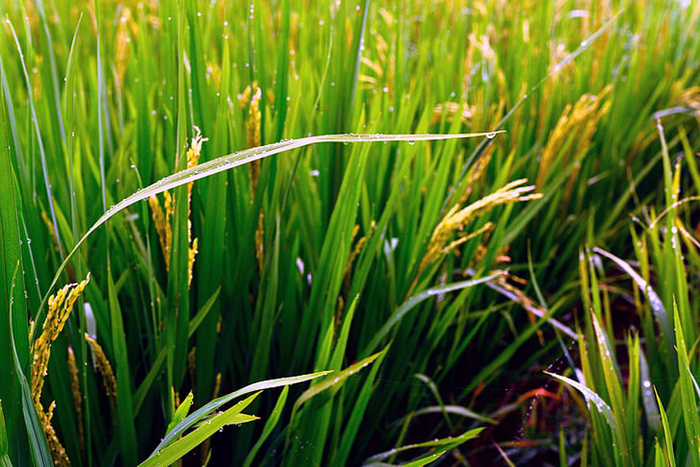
{"x": 452, "y": 409}
{"x": 181, "y": 412}
{"x": 448, "y": 443}
{"x": 228, "y": 162}
{"x": 590, "y": 396}
{"x": 613, "y": 385}
{"x": 409, "y": 304}
{"x": 651, "y": 410}
{"x": 182, "y": 446}
{"x": 205, "y": 410}
{"x": 656, "y": 305}
{"x": 436, "y": 394}
{"x": 426, "y": 459}
{"x": 339, "y": 377}
{"x": 667, "y": 441}
{"x": 358, "y": 412}
{"x": 202, "y": 313}
{"x": 534, "y": 310}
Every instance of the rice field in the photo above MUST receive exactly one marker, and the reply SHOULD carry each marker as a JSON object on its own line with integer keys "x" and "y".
{"x": 350, "y": 232}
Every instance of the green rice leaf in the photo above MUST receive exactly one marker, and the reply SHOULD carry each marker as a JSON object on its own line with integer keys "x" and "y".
{"x": 335, "y": 379}
{"x": 204, "y": 411}
{"x": 203, "y": 312}
{"x": 446, "y": 443}
{"x": 591, "y": 397}
{"x": 181, "y": 412}
{"x": 416, "y": 299}
{"x": 175, "y": 450}
{"x": 270, "y": 425}
{"x": 656, "y": 305}
{"x": 228, "y": 162}
{"x": 666, "y": 448}
{"x": 688, "y": 396}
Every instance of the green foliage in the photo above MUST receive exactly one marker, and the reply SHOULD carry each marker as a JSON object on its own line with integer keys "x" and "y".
{"x": 662, "y": 373}
{"x": 360, "y": 207}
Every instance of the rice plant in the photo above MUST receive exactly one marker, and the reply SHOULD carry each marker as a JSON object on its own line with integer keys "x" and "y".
{"x": 345, "y": 233}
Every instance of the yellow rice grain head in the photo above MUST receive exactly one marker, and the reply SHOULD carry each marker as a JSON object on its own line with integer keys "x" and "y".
{"x": 161, "y": 219}
{"x": 456, "y": 219}
{"x": 60, "y": 307}
{"x": 77, "y": 396}
{"x": 122, "y": 44}
{"x": 162, "y": 214}
{"x": 104, "y": 367}
{"x": 575, "y": 130}
{"x": 252, "y": 95}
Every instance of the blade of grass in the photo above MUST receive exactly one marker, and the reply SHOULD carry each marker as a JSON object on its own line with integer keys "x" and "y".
{"x": 353, "y": 424}
{"x": 10, "y": 257}
{"x": 411, "y": 303}
{"x": 690, "y": 407}
{"x": 447, "y": 444}
{"x": 666, "y": 448}
{"x": 203, "y": 312}
{"x": 337, "y": 378}
{"x": 182, "y": 446}
{"x": 270, "y": 425}
{"x": 203, "y": 411}
{"x": 657, "y": 306}
{"x": 591, "y": 397}
{"x": 228, "y": 162}
{"x": 40, "y": 144}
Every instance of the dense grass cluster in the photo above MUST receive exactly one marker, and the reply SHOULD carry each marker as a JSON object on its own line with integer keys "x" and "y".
{"x": 454, "y": 232}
